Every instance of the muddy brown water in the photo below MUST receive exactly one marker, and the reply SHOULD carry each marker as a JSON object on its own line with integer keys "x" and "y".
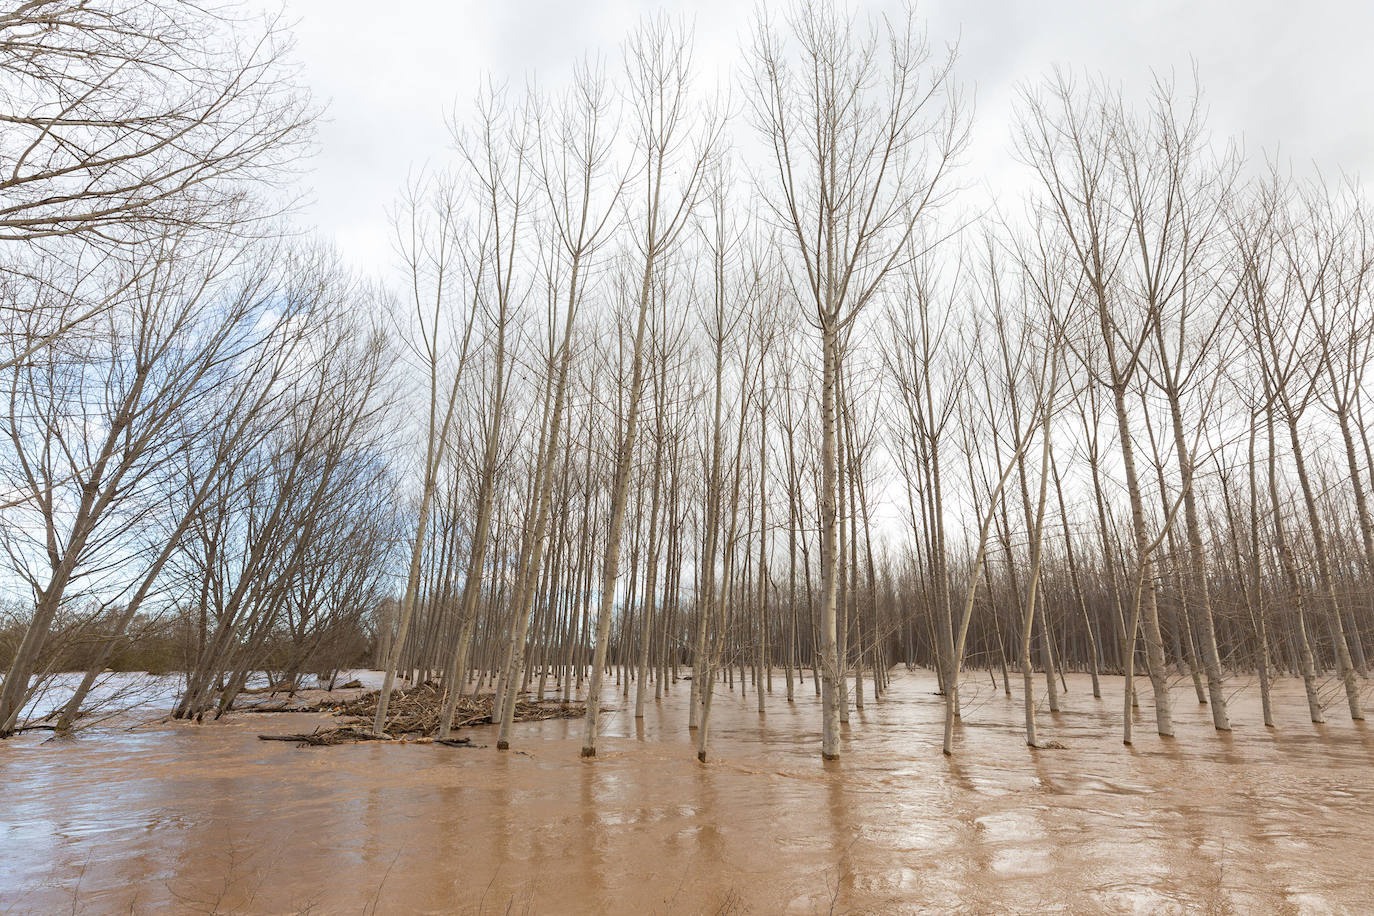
{"x": 184, "y": 818}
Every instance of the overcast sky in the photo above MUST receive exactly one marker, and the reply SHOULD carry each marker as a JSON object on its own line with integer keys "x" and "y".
{"x": 1296, "y": 76}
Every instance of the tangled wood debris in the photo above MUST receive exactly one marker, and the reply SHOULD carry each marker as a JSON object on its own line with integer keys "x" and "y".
{"x": 328, "y": 737}
{"x": 414, "y": 716}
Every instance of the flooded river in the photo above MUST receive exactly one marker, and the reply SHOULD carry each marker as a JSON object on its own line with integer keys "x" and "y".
{"x": 185, "y": 818}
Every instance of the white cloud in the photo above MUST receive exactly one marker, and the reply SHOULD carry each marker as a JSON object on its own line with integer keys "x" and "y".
{"x": 1274, "y": 73}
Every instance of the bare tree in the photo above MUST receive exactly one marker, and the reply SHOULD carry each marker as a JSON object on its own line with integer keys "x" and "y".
{"x": 582, "y": 196}
{"x": 187, "y": 323}
{"x": 670, "y": 140}
{"x": 127, "y": 119}
{"x": 1068, "y": 135}
{"x": 427, "y": 238}
{"x": 863, "y": 126}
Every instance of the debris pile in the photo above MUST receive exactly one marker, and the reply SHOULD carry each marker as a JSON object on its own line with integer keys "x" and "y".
{"x": 413, "y": 715}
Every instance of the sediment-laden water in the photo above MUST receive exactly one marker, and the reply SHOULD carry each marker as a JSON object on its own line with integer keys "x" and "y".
{"x": 176, "y": 817}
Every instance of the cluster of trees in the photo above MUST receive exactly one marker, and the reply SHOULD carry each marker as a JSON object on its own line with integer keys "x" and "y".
{"x": 195, "y": 402}
{"x": 746, "y": 388}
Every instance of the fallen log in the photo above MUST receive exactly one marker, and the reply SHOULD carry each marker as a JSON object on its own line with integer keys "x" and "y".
{"x": 329, "y": 737}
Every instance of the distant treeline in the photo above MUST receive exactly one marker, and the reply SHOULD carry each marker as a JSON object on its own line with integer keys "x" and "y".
{"x": 168, "y": 645}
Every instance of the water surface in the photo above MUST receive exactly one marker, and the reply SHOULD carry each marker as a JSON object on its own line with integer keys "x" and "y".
{"x": 176, "y": 817}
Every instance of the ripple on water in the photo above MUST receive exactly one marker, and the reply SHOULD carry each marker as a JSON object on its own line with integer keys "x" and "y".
{"x": 168, "y": 817}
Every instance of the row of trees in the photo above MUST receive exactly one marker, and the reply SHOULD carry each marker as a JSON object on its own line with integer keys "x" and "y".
{"x": 751, "y": 394}
{"x": 1111, "y": 397}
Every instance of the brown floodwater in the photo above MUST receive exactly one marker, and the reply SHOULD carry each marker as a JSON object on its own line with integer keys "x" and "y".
{"x": 185, "y": 818}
